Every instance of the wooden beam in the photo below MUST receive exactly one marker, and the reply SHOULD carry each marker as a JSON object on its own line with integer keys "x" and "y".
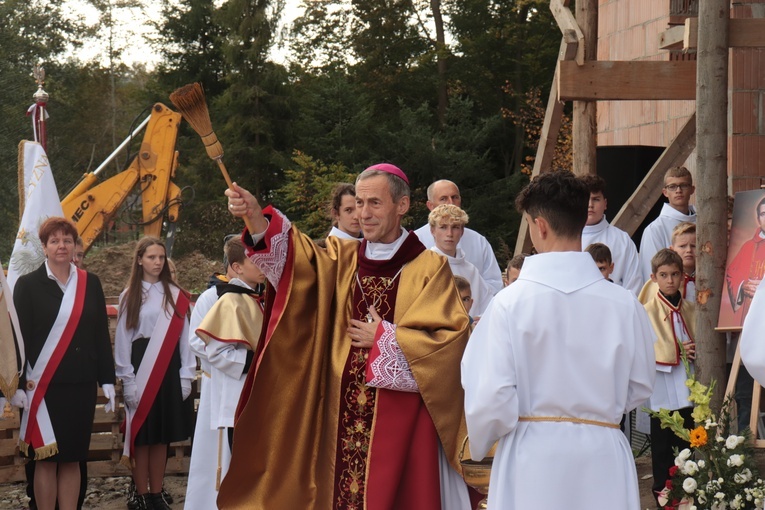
{"x": 742, "y": 33}
{"x": 584, "y": 120}
{"x": 626, "y": 80}
{"x": 672, "y": 39}
{"x": 634, "y": 211}
{"x": 567, "y": 23}
{"x": 549, "y": 136}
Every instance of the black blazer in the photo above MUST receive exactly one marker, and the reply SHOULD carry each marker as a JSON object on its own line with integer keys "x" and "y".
{"x": 89, "y": 357}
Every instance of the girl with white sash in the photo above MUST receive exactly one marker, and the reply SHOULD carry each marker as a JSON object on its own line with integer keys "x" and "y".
{"x": 62, "y": 318}
{"x": 156, "y": 369}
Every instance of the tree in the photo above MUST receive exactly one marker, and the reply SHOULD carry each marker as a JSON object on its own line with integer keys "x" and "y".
{"x": 31, "y": 32}
{"x": 305, "y": 195}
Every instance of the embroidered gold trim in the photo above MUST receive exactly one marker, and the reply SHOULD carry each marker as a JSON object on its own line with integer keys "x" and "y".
{"x": 570, "y": 420}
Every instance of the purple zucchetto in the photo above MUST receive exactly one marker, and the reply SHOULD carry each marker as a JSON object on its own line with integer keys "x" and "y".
{"x": 390, "y": 169}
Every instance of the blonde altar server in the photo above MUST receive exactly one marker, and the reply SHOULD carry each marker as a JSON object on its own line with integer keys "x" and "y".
{"x": 752, "y": 346}
{"x": 553, "y": 391}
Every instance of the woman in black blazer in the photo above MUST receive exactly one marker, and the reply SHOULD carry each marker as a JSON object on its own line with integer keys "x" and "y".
{"x": 63, "y": 321}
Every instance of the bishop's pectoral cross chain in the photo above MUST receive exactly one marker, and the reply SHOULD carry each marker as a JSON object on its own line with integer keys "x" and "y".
{"x": 379, "y": 297}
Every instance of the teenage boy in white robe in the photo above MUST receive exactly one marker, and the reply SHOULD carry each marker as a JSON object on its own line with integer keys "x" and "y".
{"x": 678, "y": 188}
{"x": 476, "y": 247}
{"x": 673, "y": 320}
{"x": 624, "y": 254}
{"x": 200, "y": 490}
{"x": 228, "y": 364}
{"x": 556, "y": 360}
{"x": 447, "y": 225}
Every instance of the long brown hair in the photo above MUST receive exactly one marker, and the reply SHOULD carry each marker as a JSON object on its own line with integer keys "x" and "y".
{"x": 133, "y": 300}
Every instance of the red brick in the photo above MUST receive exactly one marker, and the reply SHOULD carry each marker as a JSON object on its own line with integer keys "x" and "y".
{"x": 744, "y": 112}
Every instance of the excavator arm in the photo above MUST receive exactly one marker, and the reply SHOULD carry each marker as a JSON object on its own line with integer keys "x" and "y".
{"x": 92, "y": 206}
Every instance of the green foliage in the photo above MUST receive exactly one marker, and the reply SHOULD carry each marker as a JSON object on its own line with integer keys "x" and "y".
{"x": 306, "y": 194}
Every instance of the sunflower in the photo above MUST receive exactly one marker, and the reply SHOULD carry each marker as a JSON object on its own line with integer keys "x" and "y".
{"x": 698, "y": 437}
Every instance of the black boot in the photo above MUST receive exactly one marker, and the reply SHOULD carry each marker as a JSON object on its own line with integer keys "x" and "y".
{"x": 141, "y": 502}
{"x": 157, "y": 502}
{"x": 132, "y": 497}
{"x": 166, "y": 496}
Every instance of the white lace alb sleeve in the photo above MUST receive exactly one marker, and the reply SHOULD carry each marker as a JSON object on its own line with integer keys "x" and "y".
{"x": 390, "y": 368}
{"x": 276, "y": 236}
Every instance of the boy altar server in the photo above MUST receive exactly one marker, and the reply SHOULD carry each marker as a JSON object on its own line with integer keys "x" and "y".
{"x": 624, "y": 255}
{"x": 672, "y": 319}
{"x": 553, "y": 391}
{"x": 678, "y": 188}
{"x": 228, "y": 333}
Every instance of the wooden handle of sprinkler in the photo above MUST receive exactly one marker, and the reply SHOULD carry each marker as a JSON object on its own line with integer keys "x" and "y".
{"x": 230, "y": 185}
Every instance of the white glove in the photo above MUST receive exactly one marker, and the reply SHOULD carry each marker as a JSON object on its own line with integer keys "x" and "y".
{"x": 19, "y": 399}
{"x": 109, "y": 393}
{"x": 130, "y": 394}
{"x": 185, "y": 388}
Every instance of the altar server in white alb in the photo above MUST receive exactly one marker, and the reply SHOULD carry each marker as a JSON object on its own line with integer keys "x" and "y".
{"x": 201, "y": 491}
{"x": 447, "y": 224}
{"x": 678, "y": 188}
{"x": 557, "y": 359}
{"x": 624, "y": 254}
{"x": 476, "y": 247}
{"x": 231, "y": 331}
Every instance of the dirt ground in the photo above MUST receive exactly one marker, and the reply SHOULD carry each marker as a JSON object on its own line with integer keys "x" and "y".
{"x": 109, "y": 493}
{"x": 112, "y": 266}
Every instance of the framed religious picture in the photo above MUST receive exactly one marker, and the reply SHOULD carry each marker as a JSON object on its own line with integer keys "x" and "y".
{"x": 745, "y": 264}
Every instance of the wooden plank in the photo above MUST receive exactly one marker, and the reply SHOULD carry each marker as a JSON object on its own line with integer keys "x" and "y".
{"x": 626, "y": 80}
{"x": 549, "y": 136}
{"x": 567, "y": 23}
{"x": 672, "y": 39}
{"x": 634, "y": 211}
{"x": 742, "y": 33}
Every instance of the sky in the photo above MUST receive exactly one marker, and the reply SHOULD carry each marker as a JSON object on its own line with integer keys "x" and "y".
{"x": 135, "y": 26}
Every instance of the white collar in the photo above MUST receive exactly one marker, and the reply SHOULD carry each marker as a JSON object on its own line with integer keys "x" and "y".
{"x": 566, "y": 271}
{"x": 72, "y": 269}
{"x": 596, "y": 228}
{"x": 336, "y": 232}
{"x": 384, "y": 251}
{"x": 668, "y": 210}
{"x": 457, "y": 259}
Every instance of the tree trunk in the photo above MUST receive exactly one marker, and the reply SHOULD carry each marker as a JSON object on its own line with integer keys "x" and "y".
{"x": 711, "y": 187}
{"x": 441, "y": 55}
{"x": 584, "y": 120}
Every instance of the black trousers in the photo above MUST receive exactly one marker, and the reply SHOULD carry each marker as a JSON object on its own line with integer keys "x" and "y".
{"x": 663, "y": 441}
{"x": 29, "y": 468}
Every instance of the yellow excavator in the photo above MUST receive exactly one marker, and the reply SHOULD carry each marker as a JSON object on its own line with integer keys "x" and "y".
{"x": 92, "y": 206}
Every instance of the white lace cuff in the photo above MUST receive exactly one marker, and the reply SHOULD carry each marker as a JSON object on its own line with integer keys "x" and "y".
{"x": 273, "y": 259}
{"x": 388, "y": 367}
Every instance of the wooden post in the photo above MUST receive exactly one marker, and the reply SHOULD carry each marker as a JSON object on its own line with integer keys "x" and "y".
{"x": 584, "y": 121}
{"x": 711, "y": 187}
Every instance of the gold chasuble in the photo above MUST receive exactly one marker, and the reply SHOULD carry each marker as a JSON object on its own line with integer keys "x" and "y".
{"x": 662, "y": 314}
{"x": 286, "y": 451}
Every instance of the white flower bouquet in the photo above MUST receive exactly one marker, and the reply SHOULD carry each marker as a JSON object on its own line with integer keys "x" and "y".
{"x": 718, "y": 471}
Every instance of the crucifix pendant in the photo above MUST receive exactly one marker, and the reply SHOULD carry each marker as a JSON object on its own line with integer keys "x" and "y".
{"x": 369, "y": 318}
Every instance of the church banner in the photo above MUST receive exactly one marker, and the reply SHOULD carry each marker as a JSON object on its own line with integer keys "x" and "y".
{"x": 38, "y": 199}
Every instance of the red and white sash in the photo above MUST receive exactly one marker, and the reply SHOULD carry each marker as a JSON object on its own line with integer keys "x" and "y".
{"x": 36, "y": 428}
{"x": 153, "y": 367}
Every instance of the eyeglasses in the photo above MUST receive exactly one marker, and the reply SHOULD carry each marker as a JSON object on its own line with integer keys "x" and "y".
{"x": 674, "y": 187}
